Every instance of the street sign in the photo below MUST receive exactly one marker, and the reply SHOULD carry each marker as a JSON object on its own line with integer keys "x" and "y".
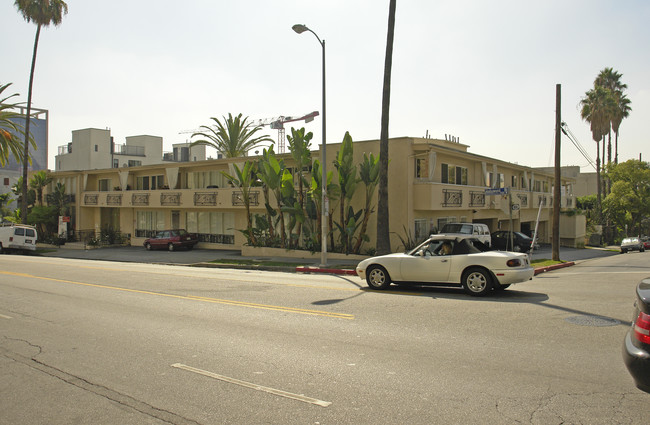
{"x": 515, "y": 207}
{"x": 497, "y": 191}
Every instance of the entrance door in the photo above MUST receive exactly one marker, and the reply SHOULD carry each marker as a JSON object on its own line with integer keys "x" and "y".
{"x": 176, "y": 219}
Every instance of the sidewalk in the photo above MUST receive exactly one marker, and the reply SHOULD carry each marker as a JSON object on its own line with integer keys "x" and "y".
{"x": 204, "y": 258}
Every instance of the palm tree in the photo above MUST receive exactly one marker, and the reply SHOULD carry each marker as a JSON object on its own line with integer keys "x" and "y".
{"x": 233, "y": 138}
{"x": 622, "y": 111}
{"x": 43, "y": 13}
{"x": 383, "y": 235}
{"x": 39, "y": 180}
{"x": 10, "y": 143}
{"x": 610, "y": 79}
{"x": 596, "y": 110}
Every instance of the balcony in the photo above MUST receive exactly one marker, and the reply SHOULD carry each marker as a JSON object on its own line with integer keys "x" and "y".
{"x": 128, "y": 150}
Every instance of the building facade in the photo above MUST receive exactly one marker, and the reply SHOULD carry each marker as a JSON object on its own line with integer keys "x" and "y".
{"x": 431, "y": 182}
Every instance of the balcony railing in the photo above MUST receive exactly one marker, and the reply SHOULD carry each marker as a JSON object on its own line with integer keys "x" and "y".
{"x": 476, "y": 199}
{"x": 238, "y": 198}
{"x": 170, "y": 199}
{"x": 205, "y": 199}
{"x": 128, "y": 150}
{"x": 140, "y": 199}
{"x": 112, "y": 199}
{"x": 91, "y": 199}
{"x": 452, "y": 198}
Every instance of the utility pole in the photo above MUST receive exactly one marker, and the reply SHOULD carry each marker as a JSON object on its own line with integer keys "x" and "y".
{"x": 557, "y": 200}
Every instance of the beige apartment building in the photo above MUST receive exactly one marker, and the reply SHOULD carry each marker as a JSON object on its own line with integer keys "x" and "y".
{"x": 431, "y": 182}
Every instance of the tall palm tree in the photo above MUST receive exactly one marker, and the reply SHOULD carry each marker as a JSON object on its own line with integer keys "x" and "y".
{"x": 610, "y": 79}
{"x": 596, "y": 110}
{"x": 39, "y": 180}
{"x": 622, "y": 111}
{"x": 10, "y": 143}
{"x": 42, "y": 13}
{"x": 233, "y": 138}
{"x": 383, "y": 235}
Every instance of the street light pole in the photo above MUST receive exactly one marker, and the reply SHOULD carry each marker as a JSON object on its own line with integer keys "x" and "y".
{"x": 299, "y": 28}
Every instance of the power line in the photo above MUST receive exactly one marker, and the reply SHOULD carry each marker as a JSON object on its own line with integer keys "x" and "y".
{"x": 569, "y": 134}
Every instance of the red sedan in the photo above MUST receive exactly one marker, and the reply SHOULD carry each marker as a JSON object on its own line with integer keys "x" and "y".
{"x": 171, "y": 240}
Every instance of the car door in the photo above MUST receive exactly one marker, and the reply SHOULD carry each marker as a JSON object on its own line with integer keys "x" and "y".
{"x": 160, "y": 240}
{"x": 427, "y": 266}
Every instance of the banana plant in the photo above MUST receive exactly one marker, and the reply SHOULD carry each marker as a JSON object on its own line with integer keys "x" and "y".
{"x": 348, "y": 180}
{"x": 299, "y": 147}
{"x": 270, "y": 173}
{"x": 333, "y": 193}
{"x": 369, "y": 175}
{"x": 245, "y": 179}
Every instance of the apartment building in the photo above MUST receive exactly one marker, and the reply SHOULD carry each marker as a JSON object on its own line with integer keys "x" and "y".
{"x": 92, "y": 149}
{"x": 431, "y": 182}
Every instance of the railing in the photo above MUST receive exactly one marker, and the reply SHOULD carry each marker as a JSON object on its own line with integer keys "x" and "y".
{"x": 452, "y": 198}
{"x": 170, "y": 199}
{"x": 238, "y": 198}
{"x": 128, "y": 150}
{"x": 140, "y": 199}
{"x": 476, "y": 199}
{"x": 205, "y": 199}
{"x": 112, "y": 199}
{"x": 91, "y": 199}
{"x": 212, "y": 238}
{"x": 523, "y": 199}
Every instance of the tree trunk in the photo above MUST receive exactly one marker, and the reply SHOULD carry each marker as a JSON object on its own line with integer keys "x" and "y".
{"x": 23, "y": 206}
{"x": 383, "y": 232}
{"x": 598, "y": 196}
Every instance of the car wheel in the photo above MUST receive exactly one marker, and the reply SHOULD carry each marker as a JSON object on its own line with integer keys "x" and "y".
{"x": 171, "y": 247}
{"x": 477, "y": 282}
{"x": 377, "y": 277}
{"x": 642, "y": 249}
{"x": 147, "y": 246}
{"x": 623, "y": 251}
{"x": 190, "y": 247}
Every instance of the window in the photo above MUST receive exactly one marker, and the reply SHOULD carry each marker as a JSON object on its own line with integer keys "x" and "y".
{"x": 116, "y": 163}
{"x": 204, "y": 179}
{"x": 453, "y": 174}
{"x": 150, "y": 220}
{"x": 19, "y": 231}
{"x": 215, "y": 223}
{"x": 6, "y": 181}
{"x": 104, "y": 185}
{"x": 134, "y": 163}
{"x": 30, "y": 233}
{"x": 422, "y": 230}
{"x": 96, "y": 148}
{"x": 157, "y": 182}
{"x": 420, "y": 168}
{"x": 514, "y": 181}
{"x": 142, "y": 183}
{"x": 497, "y": 180}
{"x": 444, "y": 220}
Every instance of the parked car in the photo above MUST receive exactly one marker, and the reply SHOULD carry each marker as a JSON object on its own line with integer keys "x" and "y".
{"x": 646, "y": 242}
{"x": 17, "y": 237}
{"x": 479, "y": 230}
{"x": 632, "y": 244}
{"x": 171, "y": 240}
{"x": 449, "y": 260}
{"x": 636, "y": 345}
{"x": 521, "y": 242}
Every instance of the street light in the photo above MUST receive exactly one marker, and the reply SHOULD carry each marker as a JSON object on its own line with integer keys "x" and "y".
{"x": 299, "y": 28}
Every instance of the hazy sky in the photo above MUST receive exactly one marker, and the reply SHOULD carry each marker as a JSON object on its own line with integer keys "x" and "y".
{"x": 483, "y": 71}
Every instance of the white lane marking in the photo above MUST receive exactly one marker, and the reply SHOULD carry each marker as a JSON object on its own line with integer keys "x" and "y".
{"x": 5, "y": 317}
{"x": 250, "y": 385}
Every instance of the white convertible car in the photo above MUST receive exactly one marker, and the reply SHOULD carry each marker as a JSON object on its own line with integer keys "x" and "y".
{"x": 449, "y": 260}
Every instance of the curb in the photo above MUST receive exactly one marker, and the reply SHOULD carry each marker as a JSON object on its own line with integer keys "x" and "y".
{"x": 554, "y": 267}
{"x": 307, "y": 269}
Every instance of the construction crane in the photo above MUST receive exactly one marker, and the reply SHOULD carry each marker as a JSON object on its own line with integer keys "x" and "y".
{"x": 277, "y": 123}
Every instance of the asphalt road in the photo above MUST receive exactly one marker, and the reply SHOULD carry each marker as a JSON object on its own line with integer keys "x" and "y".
{"x": 128, "y": 343}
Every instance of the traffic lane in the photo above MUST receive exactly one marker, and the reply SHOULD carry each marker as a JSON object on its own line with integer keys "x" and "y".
{"x": 408, "y": 349}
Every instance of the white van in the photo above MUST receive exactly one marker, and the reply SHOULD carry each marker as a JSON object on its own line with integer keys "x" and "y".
{"x": 480, "y": 230}
{"x": 19, "y": 237}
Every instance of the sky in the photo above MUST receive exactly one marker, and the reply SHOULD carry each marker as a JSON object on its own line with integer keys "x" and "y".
{"x": 484, "y": 72}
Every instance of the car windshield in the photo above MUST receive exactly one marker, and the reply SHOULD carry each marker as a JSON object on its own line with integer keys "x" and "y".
{"x": 462, "y": 246}
{"x": 182, "y": 232}
{"x": 457, "y": 228}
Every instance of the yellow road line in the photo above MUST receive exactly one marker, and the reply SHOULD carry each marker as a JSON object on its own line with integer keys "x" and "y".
{"x": 195, "y": 298}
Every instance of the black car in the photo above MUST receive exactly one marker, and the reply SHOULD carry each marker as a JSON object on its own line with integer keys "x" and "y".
{"x": 501, "y": 241}
{"x": 636, "y": 348}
